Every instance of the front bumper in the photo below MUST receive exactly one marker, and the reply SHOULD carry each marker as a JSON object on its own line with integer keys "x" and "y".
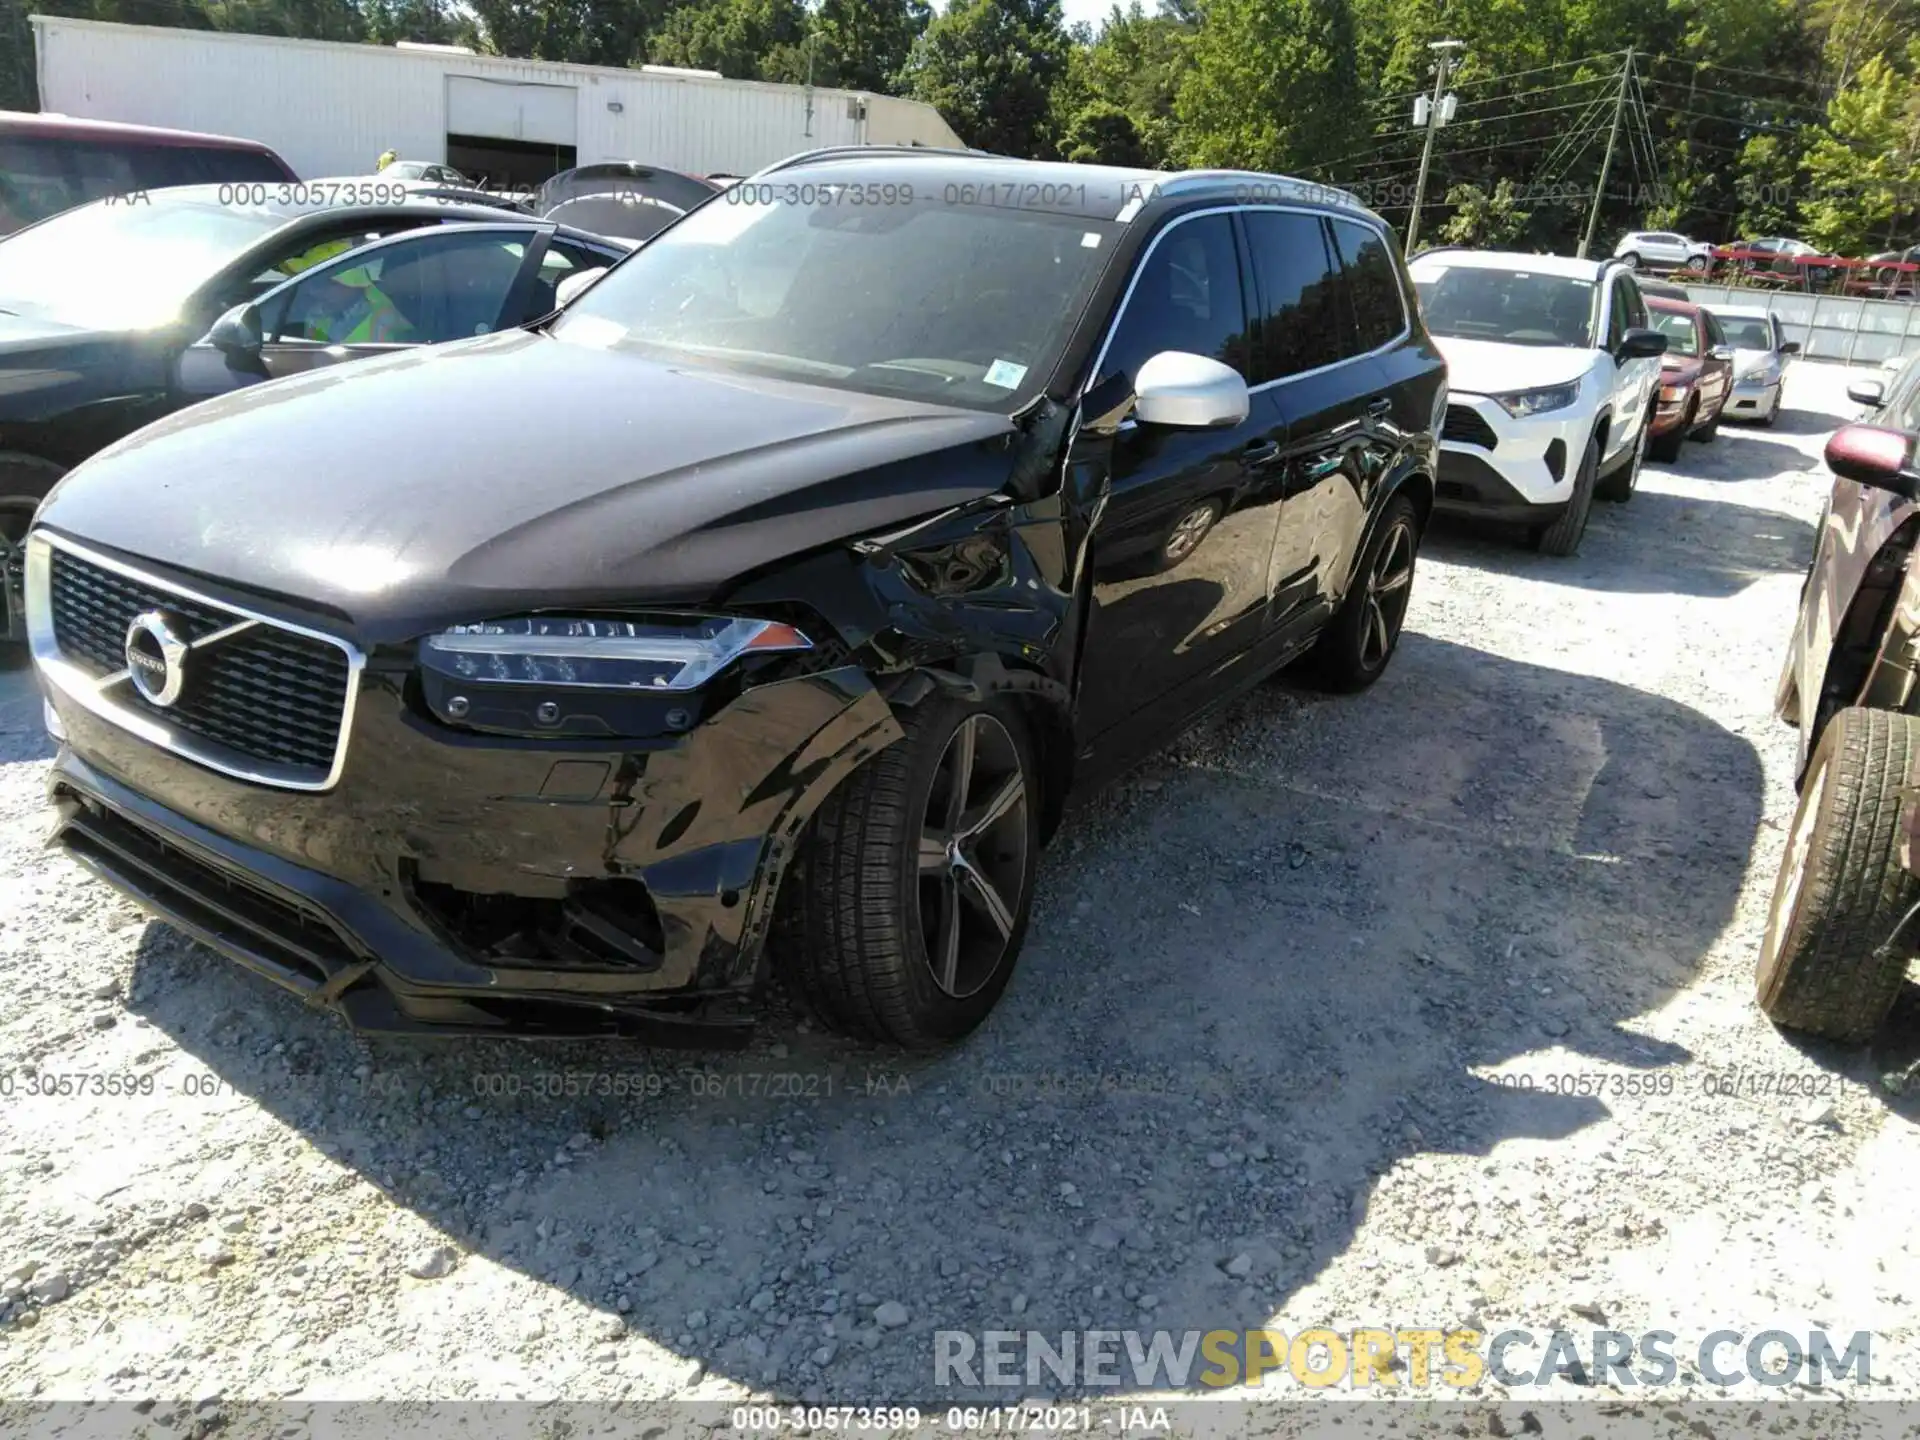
{"x": 362, "y": 898}
{"x": 1527, "y": 474}
{"x": 1668, "y": 415}
{"x": 1752, "y": 398}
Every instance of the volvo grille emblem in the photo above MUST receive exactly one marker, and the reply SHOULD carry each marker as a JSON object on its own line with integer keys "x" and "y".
{"x": 157, "y": 656}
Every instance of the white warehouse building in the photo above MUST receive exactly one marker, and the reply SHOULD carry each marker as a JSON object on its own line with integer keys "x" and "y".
{"x": 331, "y": 109}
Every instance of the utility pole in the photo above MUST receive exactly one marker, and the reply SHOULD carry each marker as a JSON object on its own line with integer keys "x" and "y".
{"x": 1437, "y": 114}
{"x": 1606, "y": 160}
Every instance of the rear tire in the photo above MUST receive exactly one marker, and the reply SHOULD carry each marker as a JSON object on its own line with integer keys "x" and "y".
{"x": 1353, "y": 651}
{"x": 886, "y": 939}
{"x": 1562, "y": 536}
{"x": 1841, "y": 888}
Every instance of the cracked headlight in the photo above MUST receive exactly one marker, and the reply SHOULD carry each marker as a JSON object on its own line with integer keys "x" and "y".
{"x": 653, "y": 653}
{"x": 1522, "y": 403}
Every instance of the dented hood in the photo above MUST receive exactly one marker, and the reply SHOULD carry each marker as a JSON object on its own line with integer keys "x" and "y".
{"x": 470, "y": 480}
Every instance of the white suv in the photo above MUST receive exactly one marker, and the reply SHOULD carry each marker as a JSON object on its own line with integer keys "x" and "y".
{"x": 1662, "y": 250}
{"x": 1552, "y": 374}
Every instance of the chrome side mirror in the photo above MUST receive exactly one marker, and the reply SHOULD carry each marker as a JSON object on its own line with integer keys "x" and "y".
{"x": 1189, "y": 392}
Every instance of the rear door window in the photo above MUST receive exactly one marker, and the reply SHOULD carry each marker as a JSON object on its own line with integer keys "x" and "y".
{"x": 1304, "y": 319}
{"x": 1186, "y": 296}
{"x": 1373, "y": 281}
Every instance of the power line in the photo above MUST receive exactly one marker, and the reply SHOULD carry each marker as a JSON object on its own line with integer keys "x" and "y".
{"x": 1735, "y": 70}
{"x": 1759, "y": 125}
{"x": 1773, "y": 101}
{"x": 1495, "y": 79}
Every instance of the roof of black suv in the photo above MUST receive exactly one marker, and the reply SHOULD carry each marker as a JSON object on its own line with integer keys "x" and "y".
{"x": 1105, "y": 192}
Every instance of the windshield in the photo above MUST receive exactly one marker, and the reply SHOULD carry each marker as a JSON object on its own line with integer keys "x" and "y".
{"x": 899, "y": 295}
{"x": 125, "y": 264}
{"x": 1516, "y": 306}
{"x": 1748, "y": 334}
{"x": 1681, "y": 338}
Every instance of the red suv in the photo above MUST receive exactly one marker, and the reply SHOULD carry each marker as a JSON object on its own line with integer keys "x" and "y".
{"x": 49, "y": 163}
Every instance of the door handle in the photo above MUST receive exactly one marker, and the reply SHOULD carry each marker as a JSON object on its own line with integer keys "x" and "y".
{"x": 1259, "y": 452}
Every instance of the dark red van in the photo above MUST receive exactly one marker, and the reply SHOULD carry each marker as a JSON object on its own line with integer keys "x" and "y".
{"x": 50, "y": 163}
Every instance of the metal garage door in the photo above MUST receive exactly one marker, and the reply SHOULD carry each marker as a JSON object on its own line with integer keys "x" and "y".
{"x": 510, "y": 110}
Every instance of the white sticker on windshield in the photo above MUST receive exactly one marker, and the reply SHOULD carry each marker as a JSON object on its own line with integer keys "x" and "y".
{"x": 1006, "y": 374}
{"x": 1090, "y": 241}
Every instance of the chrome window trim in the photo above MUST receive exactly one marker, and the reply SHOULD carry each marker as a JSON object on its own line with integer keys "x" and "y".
{"x": 1139, "y": 268}
{"x": 90, "y": 692}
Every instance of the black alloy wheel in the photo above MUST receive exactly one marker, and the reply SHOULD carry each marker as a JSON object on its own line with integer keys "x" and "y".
{"x": 1354, "y": 649}
{"x": 973, "y": 856}
{"x": 903, "y": 914}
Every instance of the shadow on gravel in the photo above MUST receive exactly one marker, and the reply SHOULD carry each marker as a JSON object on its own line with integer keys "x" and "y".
{"x": 1678, "y": 544}
{"x": 1739, "y": 453}
{"x": 1262, "y": 972}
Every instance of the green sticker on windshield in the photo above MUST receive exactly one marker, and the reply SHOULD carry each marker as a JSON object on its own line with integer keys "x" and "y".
{"x": 1006, "y": 374}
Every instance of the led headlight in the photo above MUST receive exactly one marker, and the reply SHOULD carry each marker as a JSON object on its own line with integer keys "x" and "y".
{"x": 656, "y": 653}
{"x": 1522, "y": 403}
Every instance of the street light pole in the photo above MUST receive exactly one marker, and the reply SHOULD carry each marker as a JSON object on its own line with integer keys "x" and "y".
{"x": 1443, "y": 51}
{"x": 1606, "y": 161}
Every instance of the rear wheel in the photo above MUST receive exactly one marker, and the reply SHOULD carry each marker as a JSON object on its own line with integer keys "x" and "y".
{"x": 1841, "y": 888}
{"x": 1562, "y": 537}
{"x": 909, "y": 899}
{"x": 1354, "y": 649}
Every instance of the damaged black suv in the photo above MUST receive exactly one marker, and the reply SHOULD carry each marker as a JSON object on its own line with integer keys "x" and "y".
{"x": 757, "y": 612}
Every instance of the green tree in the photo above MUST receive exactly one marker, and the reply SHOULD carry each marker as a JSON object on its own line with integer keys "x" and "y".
{"x": 864, "y": 44}
{"x": 1272, "y": 87}
{"x": 1101, "y": 133}
{"x": 1489, "y": 220}
{"x": 742, "y": 39}
{"x": 1134, "y": 66}
{"x": 1861, "y": 163}
{"x": 989, "y": 67}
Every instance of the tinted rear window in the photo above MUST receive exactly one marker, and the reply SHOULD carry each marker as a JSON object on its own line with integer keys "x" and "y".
{"x": 42, "y": 175}
{"x": 1374, "y": 281}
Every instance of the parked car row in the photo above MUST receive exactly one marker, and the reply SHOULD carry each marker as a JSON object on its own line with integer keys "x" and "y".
{"x": 1566, "y": 374}
{"x": 627, "y": 623}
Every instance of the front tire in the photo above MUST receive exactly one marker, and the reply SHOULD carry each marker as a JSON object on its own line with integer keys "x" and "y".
{"x": 1620, "y": 485}
{"x": 1354, "y": 649}
{"x": 1841, "y": 888}
{"x": 1707, "y": 431}
{"x": 24, "y": 483}
{"x": 1773, "y": 407}
{"x": 910, "y": 897}
{"x": 1562, "y": 537}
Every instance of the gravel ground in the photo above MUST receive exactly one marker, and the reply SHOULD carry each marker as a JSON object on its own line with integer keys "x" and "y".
{"x": 1265, "y": 1060}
